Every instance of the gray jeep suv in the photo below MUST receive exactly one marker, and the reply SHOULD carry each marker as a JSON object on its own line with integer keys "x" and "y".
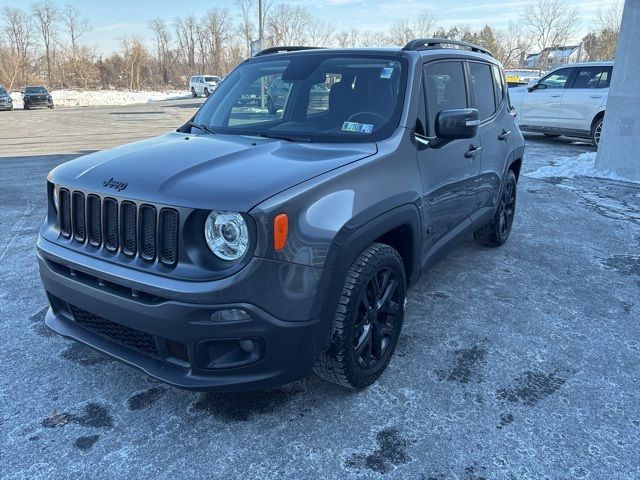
{"x": 248, "y": 249}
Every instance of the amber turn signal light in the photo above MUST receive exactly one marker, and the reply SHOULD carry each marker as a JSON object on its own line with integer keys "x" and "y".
{"x": 280, "y": 231}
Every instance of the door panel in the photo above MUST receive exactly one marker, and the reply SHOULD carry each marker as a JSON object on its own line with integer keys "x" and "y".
{"x": 448, "y": 176}
{"x": 540, "y": 106}
{"x": 487, "y": 82}
{"x": 583, "y": 100}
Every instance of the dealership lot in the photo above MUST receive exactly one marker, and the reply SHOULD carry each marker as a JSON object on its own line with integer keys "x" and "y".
{"x": 520, "y": 362}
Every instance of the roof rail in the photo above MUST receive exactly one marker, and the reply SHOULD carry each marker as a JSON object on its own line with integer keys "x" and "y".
{"x": 427, "y": 43}
{"x": 271, "y": 50}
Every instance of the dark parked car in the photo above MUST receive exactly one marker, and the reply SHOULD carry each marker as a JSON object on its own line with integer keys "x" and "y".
{"x": 6, "y": 103}
{"x": 246, "y": 250}
{"x": 36, "y": 97}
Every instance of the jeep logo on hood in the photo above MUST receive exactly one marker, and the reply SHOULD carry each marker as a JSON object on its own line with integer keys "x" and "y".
{"x": 115, "y": 184}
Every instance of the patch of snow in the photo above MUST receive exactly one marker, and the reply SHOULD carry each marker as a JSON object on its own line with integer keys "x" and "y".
{"x": 582, "y": 165}
{"x": 85, "y": 98}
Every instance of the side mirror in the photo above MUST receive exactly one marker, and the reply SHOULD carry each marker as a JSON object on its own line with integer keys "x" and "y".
{"x": 534, "y": 85}
{"x": 457, "y": 124}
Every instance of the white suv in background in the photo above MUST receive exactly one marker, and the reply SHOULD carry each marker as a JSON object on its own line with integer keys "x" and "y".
{"x": 569, "y": 100}
{"x": 203, "y": 84}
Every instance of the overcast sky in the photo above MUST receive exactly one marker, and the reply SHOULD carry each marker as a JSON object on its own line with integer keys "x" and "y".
{"x": 114, "y": 19}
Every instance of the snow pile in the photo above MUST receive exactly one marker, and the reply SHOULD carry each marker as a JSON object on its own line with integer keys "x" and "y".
{"x": 84, "y": 98}
{"x": 570, "y": 167}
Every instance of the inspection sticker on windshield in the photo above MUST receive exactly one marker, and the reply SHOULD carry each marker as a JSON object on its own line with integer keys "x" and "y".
{"x": 386, "y": 72}
{"x": 357, "y": 127}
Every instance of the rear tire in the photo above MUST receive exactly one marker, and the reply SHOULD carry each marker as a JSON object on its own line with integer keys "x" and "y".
{"x": 271, "y": 107}
{"x": 206, "y": 92}
{"x": 497, "y": 231}
{"x": 26, "y": 107}
{"x": 367, "y": 321}
{"x": 596, "y": 132}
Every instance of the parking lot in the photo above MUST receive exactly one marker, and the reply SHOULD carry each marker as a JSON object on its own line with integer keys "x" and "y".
{"x": 514, "y": 363}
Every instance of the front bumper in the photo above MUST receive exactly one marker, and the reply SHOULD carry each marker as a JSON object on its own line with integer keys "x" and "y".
{"x": 38, "y": 103}
{"x": 177, "y": 341}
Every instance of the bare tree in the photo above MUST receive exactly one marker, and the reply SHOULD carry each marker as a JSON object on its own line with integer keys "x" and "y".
{"x": 46, "y": 16}
{"x": 287, "y": 25}
{"x": 136, "y": 60}
{"x": 515, "y": 44}
{"x": 320, "y": 33}
{"x": 219, "y": 33}
{"x": 247, "y": 27}
{"x": 405, "y": 30}
{"x": 76, "y": 26}
{"x": 551, "y": 24}
{"x": 20, "y": 34}
{"x": 186, "y": 34}
{"x": 162, "y": 37}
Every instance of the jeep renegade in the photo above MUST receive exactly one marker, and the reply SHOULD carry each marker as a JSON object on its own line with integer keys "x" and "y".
{"x": 249, "y": 248}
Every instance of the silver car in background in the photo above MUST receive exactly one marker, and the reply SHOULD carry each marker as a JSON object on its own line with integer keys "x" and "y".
{"x": 570, "y": 100}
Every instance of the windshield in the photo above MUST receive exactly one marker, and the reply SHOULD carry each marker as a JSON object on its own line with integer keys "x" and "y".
{"x": 316, "y": 97}
{"x": 35, "y": 90}
{"x": 211, "y": 79}
{"x": 2, "y": 91}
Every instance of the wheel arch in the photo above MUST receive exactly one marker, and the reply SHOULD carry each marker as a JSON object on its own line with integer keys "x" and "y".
{"x": 596, "y": 118}
{"x": 399, "y": 228}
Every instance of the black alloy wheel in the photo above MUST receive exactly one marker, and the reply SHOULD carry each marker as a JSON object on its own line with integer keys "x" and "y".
{"x": 376, "y": 318}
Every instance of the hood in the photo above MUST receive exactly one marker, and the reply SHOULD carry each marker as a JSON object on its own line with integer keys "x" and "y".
{"x": 226, "y": 172}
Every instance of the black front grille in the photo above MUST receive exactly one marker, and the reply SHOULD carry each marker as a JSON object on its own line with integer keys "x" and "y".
{"x": 128, "y": 214}
{"x": 148, "y": 232}
{"x": 78, "y": 213}
{"x": 95, "y": 220}
{"x": 177, "y": 350}
{"x": 64, "y": 212}
{"x": 129, "y": 337}
{"x": 120, "y": 226}
{"x": 169, "y": 237}
{"x": 111, "y": 224}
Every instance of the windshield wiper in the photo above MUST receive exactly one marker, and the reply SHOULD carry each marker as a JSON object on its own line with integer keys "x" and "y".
{"x": 204, "y": 128}
{"x": 286, "y": 138}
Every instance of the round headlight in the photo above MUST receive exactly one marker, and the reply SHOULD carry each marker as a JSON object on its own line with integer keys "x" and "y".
{"x": 55, "y": 198}
{"x": 226, "y": 234}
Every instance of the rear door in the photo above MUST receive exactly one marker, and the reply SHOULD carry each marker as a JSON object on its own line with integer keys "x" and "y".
{"x": 448, "y": 172}
{"x": 540, "y": 106}
{"x": 489, "y": 97}
{"x": 582, "y": 100}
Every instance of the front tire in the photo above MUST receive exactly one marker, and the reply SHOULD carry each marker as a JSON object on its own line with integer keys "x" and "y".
{"x": 193, "y": 92}
{"x": 596, "y": 132}
{"x": 367, "y": 321}
{"x": 497, "y": 231}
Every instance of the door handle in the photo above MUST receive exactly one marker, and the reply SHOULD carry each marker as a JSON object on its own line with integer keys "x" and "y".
{"x": 472, "y": 151}
{"x": 555, "y": 95}
{"x": 504, "y": 134}
{"x": 596, "y": 96}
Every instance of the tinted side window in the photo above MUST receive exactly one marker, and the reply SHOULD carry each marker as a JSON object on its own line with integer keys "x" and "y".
{"x": 557, "y": 79}
{"x": 483, "y": 89}
{"x": 445, "y": 88}
{"x": 593, "y": 77}
{"x": 498, "y": 83}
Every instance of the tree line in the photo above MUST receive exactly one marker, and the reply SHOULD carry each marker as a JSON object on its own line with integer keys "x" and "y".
{"x": 46, "y": 43}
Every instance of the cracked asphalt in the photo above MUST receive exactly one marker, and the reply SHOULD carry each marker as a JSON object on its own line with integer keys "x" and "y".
{"x": 514, "y": 363}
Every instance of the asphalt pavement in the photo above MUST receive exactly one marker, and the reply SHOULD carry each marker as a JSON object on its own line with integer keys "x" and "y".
{"x": 514, "y": 363}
